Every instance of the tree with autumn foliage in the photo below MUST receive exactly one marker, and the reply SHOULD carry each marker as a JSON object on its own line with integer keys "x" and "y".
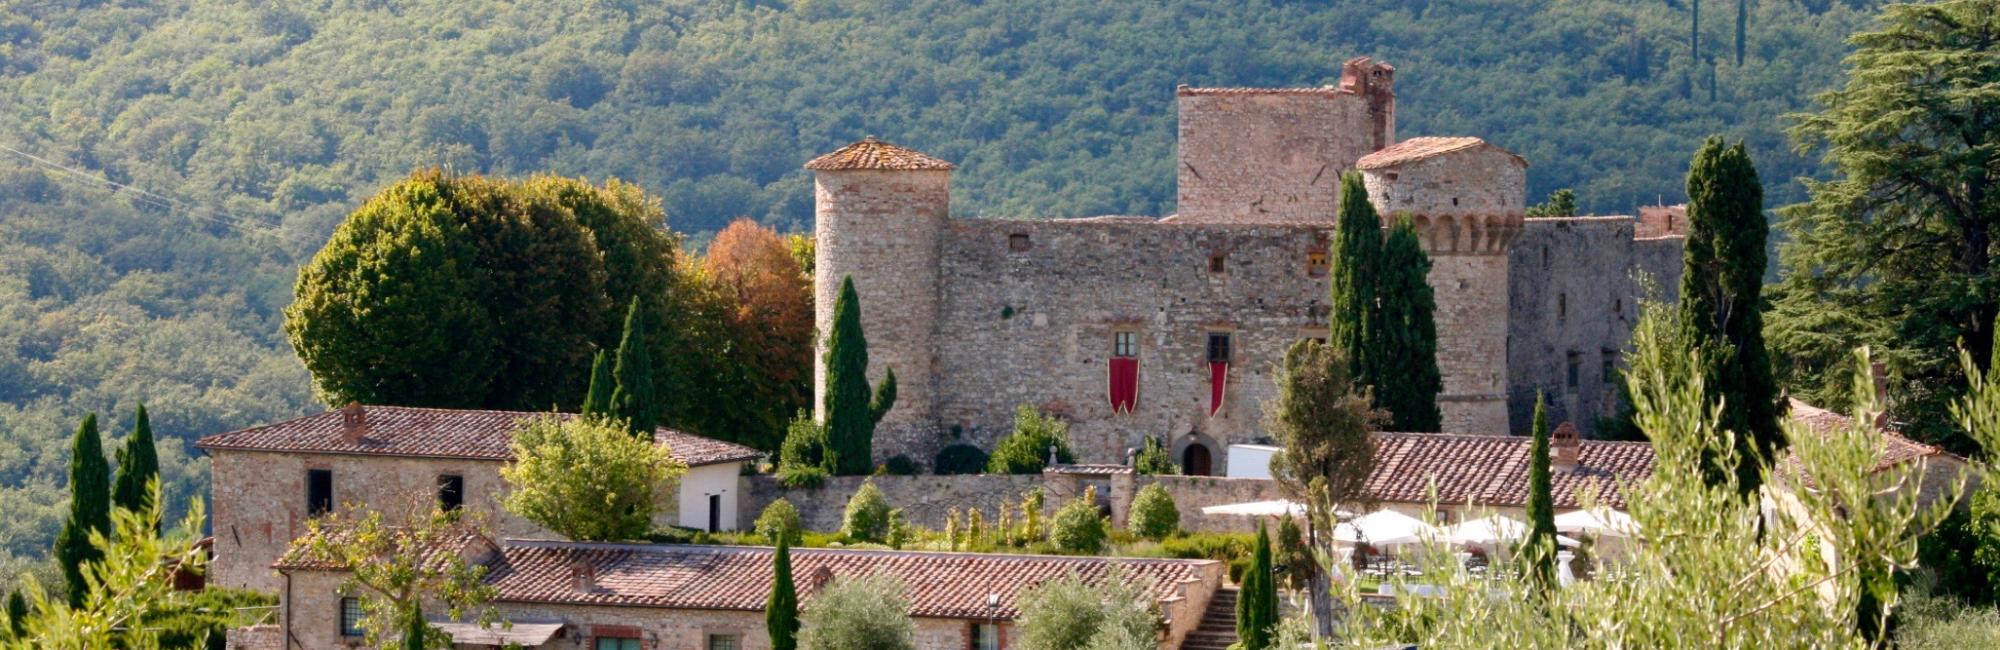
{"x": 769, "y": 319}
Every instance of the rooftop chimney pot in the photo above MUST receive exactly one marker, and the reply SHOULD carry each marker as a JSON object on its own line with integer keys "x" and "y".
{"x": 353, "y": 423}
{"x": 1564, "y": 444}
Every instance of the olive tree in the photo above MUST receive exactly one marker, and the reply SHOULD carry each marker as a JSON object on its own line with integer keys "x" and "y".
{"x": 587, "y": 479}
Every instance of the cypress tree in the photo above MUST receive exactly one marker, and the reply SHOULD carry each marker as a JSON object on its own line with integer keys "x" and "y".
{"x": 781, "y": 612}
{"x": 1404, "y": 337}
{"x": 89, "y": 509}
{"x": 850, "y": 413}
{"x": 17, "y": 615}
{"x": 1257, "y": 597}
{"x": 1721, "y": 303}
{"x": 633, "y": 400}
{"x": 1742, "y": 26}
{"x": 598, "y": 400}
{"x": 1541, "y": 540}
{"x": 415, "y": 630}
{"x": 138, "y": 467}
{"x": 1355, "y": 259}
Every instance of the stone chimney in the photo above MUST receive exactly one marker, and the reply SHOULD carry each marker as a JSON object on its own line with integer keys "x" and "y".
{"x": 353, "y": 423}
{"x": 820, "y": 576}
{"x": 583, "y": 576}
{"x": 1375, "y": 81}
{"x": 1564, "y": 445}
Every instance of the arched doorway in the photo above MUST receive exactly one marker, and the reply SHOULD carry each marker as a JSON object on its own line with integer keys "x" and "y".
{"x": 1195, "y": 460}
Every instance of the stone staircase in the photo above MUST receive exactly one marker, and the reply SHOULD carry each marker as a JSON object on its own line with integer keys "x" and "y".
{"x": 1218, "y": 625}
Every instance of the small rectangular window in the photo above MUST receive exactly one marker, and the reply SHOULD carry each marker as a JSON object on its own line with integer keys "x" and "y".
{"x": 1562, "y": 306}
{"x": 1218, "y": 347}
{"x": 615, "y": 643}
{"x": 1610, "y": 366}
{"x": 1316, "y": 263}
{"x": 985, "y": 636}
{"x": 1217, "y": 263}
{"x": 725, "y": 642}
{"x": 451, "y": 492}
{"x": 319, "y": 492}
{"x": 1575, "y": 360}
{"x": 1124, "y": 344}
{"x": 1019, "y": 242}
{"x": 350, "y": 616}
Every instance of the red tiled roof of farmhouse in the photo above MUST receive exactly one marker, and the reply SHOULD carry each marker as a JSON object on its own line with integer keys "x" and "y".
{"x": 1896, "y": 449}
{"x": 669, "y": 576}
{"x": 435, "y": 433}
{"x": 1415, "y": 149}
{"x": 1493, "y": 470}
{"x": 871, "y": 153}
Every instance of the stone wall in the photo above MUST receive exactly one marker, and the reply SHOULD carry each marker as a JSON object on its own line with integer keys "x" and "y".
{"x": 1265, "y": 155}
{"x": 1575, "y": 300}
{"x": 255, "y": 637}
{"x": 924, "y": 499}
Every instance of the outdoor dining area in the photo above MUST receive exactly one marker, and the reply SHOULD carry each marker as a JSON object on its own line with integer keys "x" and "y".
{"x": 1381, "y": 545}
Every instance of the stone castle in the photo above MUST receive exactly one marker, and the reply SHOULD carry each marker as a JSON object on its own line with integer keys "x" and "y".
{"x": 1170, "y": 327}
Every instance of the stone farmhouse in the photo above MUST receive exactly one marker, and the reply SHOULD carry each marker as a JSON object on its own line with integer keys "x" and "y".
{"x": 1169, "y": 327}
{"x": 267, "y": 481}
{"x": 672, "y": 597}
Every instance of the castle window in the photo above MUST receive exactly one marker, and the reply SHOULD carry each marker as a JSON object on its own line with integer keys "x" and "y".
{"x": 1545, "y": 258}
{"x": 1454, "y": 200}
{"x": 319, "y": 492}
{"x": 1575, "y": 360}
{"x": 1562, "y": 306}
{"x": 451, "y": 492}
{"x": 1218, "y": 347}
{"x": 1216, "y": 263}
{"x": 1610, "y": 358}
{"x": 1316, "y": 263}
{"x": 1124, "y": 344}
{"x": 1019, "y": 242}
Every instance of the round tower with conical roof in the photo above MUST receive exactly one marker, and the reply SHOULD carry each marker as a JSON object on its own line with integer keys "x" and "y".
{"x": 879, "y": 215}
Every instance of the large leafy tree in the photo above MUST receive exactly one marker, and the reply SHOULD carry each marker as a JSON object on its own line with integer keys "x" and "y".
{"x": 587, "y": 479}
{"x": 1896, "y": 250}
{"x": 1404, "y": 336}
{"x": 1352, "y": 279}
{"x": 89, "y": 509}
{"x": 769, "y": 322}
{"x": 1322, "y": 423}
{"x": 1541, "y": 542}
{"x": 138, "y": 466}
{"x": 850, "y": 413}
{"x": 1721, "y": 301}
{"x": 781, "y": 610}
{"x": 393, "y": 564}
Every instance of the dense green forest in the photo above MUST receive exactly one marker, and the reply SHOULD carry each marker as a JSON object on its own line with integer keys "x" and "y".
{"x": 238, "y": 135}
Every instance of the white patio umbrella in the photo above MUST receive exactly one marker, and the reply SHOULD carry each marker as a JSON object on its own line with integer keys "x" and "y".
{"x": 1493, "y": 530}
{"x": 1384, "y": 528}
{"x": 1275, "y": 508}
{"x": 1601, "y": 521}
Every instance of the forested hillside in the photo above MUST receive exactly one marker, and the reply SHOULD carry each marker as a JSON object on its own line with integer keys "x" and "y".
{"x": 255, "y": 127}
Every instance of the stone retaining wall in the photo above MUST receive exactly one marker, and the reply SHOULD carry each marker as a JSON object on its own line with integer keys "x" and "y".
{"x": 924, "y": 499}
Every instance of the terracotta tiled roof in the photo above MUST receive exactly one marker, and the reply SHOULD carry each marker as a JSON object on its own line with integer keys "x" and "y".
{"x": 871, "y": 153}
{"x": 436, "y": 433}
{"x": 1415, "y": 149}
{"x": 1188, "y": 91}
{"x": 940, "y": 585}
{"x": 1896, "y": 449}
{"x": 1493, "y": 470}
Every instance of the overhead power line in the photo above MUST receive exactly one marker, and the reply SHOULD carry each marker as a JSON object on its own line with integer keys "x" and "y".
{"x": 240, "y": 224}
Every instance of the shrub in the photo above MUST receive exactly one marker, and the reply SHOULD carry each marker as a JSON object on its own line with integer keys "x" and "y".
{"x": 192, "y": 619}
{"x": 959, "y": 458}
{"x": 1068, "y": 614}
{"x": 867, "y": 517}
{"x": 858, "y": 613}
{"x": 1208, "y": 546}
{"x": 1154, "y": 515}
{"x": 1154, "y": 459}
{"x": 1026, "y": 450}
{"x": 561, "y": 463}
{"x": 1077, "y": 527}
{"x": 901, "y": 533}
{"x": 801, "y": 477}
{"x": 900, "y": 465}
{"x": 779, "y": 521}
{"x": 804, "y": 460}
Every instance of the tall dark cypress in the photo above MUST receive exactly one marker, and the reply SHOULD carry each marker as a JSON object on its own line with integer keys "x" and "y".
{"x": 1404, "y": 335}
{"x": 633, "y": 400}
{"x": 17, "y": 615}
{"x": 781, "y": 611}
{"x": 138, "y": 467}
{"x": 1721, "y": 302}
{"x": 89, "y": 508}
{"x": 850, "y": 414}
{"x": 1541, "y": 542}
{"x": 1742, "y": 28}
{"x": 414, "y": 631}
{"x": 598, "y": 400}
{"x": 1355, "y": 258}
{"x": 1257, "y": 597}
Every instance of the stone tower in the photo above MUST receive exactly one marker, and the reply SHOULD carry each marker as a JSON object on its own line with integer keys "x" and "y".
{"x": 1468, "y": 199}
{"x": 879, "y": 213}
{"x": 1274, "y": 155}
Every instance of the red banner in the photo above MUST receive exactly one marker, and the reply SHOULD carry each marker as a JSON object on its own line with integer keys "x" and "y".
{"x": 1124, "y": 384}
{"x": 1218, "y": 378}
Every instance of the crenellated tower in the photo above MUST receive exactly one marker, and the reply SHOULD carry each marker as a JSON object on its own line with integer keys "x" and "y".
{"x": 879, "y": 213}
{"x": 1468, "y": 200}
